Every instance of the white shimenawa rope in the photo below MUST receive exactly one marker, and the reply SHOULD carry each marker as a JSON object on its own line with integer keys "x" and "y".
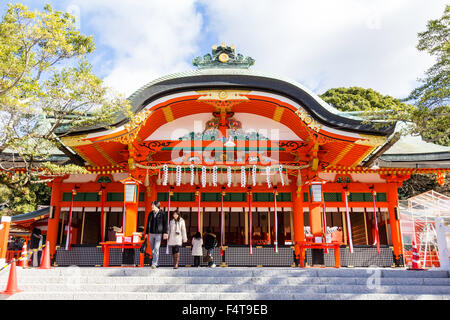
{"x": 214, "y": 176}
{"x": 203, "y": 176}
{"x": 269, "y": 184}
{"x": 229, "y": 180}
{"x": 254, "y": 175}
{"x": 165, "y": 175}
{"x": 178, "y": 176}
{"x": 243, "y": 177}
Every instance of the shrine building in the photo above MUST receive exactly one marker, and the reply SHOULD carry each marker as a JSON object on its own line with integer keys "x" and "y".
{"x": 258, "y": 159}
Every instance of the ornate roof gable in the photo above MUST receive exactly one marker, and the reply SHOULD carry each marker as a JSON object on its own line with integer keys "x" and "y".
{"x": 223, "y": 56}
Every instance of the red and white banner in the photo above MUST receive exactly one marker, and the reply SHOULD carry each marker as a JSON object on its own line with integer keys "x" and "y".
{"x": 250, "y": 221}
{"x": 102, "y": 216}
{"x": 377, "y": 237}
{"x": 324, "y": 217}
{"x": 349, "y": 224}
{"x": 221, "y": 225}
{"x": 69, "y": 224}
{"x": 168, "y": 222}
{"x": 275, "y": 225}
{"x": 198, "y": 216}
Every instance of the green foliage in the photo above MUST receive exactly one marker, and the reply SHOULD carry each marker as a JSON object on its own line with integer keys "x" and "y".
{"x": 47, "y": 87}
{"x": 432, "y": 124}
{"x": 420, "y": 183}
{"x": 359, "y": 99}
{"x": 23, "y": 199}
{"x": 435, "y": 88}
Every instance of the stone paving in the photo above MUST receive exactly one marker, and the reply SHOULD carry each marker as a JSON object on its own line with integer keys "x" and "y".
{"x": 229, "y": 284}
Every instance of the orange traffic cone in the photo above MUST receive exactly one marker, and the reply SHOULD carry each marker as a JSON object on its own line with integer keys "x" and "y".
{"x": 415, "y": 258}
{"x": 45, "y": 260}
{"x": 23, "y": 257}
{"x": 11, "y": 287}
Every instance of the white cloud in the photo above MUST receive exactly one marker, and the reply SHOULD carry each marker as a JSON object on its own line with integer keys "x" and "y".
{"x": 141, "y": 40}
{"x": 325, "y": 44}
{"x": 322, "y": 44}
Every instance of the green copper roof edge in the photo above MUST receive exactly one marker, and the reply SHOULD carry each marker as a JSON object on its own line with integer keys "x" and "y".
{"x": 30, "y": 215}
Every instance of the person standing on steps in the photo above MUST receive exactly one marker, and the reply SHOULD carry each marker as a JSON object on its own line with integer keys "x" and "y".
{"x": 36, "y": 243}
{"x": 210, "y": 244}
{"x": 177, "y": 235}
{"x": 197, "y": 251}
{"x": 155, "y": 230}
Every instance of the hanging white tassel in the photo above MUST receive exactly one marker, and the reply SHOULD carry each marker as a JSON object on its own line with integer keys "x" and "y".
{"x": 196, "y": 179}
{"x": 275, "y": 178}
{"x": 229, "y": 177}
{"x": 185, "y": 177}
{"x": 260, "y": 179}
{"x": 222, "y": 178}
{"x": 203, "y": 176}
{"x": 243, "y": 177}
{"x": 166, "y": 174}
{"x": 214, "y": 176}
{"x": 269, "y": 184}
{"x": 158, "y": 181}
{"x": 299, "y": 178}
{"x": 209, "y": 178}
{"x": 280, "y": 169}
{"x": 171, "y": 178}
{"x": 147, "y": 180}
{"x": 192, "y": 174}
{"x": 287, "y": 180}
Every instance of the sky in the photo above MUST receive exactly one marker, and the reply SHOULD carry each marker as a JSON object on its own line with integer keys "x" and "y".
{"x": 321, "y": 44}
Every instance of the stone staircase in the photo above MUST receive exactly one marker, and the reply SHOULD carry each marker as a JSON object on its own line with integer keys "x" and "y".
{"x": 229, "y": 283}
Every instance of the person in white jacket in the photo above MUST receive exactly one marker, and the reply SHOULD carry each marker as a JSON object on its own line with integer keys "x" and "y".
{"x": 197, "y": 250}
{"x": 177, "y": 235}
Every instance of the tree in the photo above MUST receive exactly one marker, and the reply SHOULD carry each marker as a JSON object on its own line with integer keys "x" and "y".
{"x": 433, "y": 96}
{"x": 427, "y": 110}
{"x": 46, "y": 83}
{"x": 360, "y": 99}
{"x": 23, "y": 199}
{"x": 435, "y": 89}
{"x": 427, "y": 107}
{"x": 370, "y": 104}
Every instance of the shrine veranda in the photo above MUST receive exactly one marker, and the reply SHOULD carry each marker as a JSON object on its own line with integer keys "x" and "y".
{"x": 259, "y": 160}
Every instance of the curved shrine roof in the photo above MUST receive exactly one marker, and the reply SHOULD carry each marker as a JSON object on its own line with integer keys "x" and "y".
{"x": 238, "y": 78}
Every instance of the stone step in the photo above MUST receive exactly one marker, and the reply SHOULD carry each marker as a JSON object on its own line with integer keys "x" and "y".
{"x": 226, "y": 280}
{"x": 235, "y": 272}
{"x": 215, "y": 296}
{"x": 218, "y": 288}
{"x": 229, "y": 283}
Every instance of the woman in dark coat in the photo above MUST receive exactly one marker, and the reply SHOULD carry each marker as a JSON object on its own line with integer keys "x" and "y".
{"x": 210, "y": 244}
{"x": 35, "y": 242}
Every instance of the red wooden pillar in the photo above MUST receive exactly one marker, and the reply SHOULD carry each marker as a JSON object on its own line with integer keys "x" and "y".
{"x": 394, "y": 220}
{"x": 5, "y": 224}
{"x": 53, "y": 220}
{"x": 315, "y": 218}
{"x": 131, "y": 218}
{"x": 299, "y": 231}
